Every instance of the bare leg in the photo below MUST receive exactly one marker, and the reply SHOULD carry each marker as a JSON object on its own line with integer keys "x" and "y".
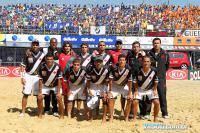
{"x": 123, "y": 100}
{"x": 78, "y": 106}
{"x": 24, "y": 103}
{"x": 60, "y": 107}
{"x": 40, "y": 105}
{"x": 65, "y": 102}
{"x": 135, "y": 109}
{"x": 127, "y": 110}
{"x": 105, "y": 107}
{"x": 111, "y": 104}
{"x": 69, "y": 108}
{"x": 156, "y": 109}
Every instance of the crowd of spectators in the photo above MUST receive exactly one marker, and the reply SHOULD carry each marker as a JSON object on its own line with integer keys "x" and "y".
{"x": 118, "y": 19}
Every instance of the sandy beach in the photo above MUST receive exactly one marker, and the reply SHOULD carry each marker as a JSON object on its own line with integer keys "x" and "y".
{"x": 183, "y": 106}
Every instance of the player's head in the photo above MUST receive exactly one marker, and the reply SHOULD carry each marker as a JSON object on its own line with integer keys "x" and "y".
{"x": 98, "y": 61}
{"x": 76, "y": 64}
{"x": 53, "y": 43}
{"x": 156, "y": 43}
{"x": 84, "y": 48}
{"x": 35, "y": 45}
{"x": 49, "y": 59}
{"x": 146, "y": 61}
{"x": 118, "y": 44}
{"x": 66, "y": 47}
{"x": 136, "y": 46}
{"x": 122, "y": 60}
{"x": 101, "y": 46}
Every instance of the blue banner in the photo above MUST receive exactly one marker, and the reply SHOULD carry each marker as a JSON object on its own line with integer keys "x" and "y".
{"x": 56, "y": 26}
{"x": 109, "y": 40}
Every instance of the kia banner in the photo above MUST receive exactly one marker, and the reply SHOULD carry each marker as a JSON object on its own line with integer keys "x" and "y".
{"x": 176, "y": 74}
{"x": 9, "y": 71}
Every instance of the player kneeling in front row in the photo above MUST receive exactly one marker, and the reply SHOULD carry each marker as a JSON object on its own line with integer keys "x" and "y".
{"x": 145, "y": 84}
{"x": 50, "y": 79}
{"x": 121, "y": 76}
{"x": 97, "y": 82}
{"x": 75, "y": 80}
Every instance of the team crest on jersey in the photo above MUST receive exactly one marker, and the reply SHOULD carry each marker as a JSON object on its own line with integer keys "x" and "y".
{"x": 44, "y": 73}
{"x": 93, "y": 77}
{"x": 140, "y": 78}
{"x": 116, "y": 74}
{"x": 72, "y": 76}
{"x": 30, "y": 60}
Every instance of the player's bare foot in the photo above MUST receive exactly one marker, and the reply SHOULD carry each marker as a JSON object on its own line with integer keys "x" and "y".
{"x": 155, "y": 119}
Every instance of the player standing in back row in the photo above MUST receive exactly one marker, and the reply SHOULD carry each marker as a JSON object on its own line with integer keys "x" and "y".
{"x": 29, "y": 79}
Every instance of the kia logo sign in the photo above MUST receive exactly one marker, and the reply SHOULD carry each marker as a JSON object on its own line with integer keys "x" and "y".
{"x": 4, "y": 71}
{"x": 16, "y": 71}
{"x": 177, "y": 74}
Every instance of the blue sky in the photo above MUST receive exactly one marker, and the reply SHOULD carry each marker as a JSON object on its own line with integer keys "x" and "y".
{"x": 176, "y": 2}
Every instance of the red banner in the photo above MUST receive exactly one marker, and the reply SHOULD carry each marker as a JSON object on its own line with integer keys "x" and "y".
{"x": 9, "y": 71}
{"x": 176, "y": 74}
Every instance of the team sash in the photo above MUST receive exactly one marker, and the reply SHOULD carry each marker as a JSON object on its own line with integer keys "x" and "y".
{"x": 86, "y": 61}
{"x": 52, "y": 76}
{"x": 37, "y": 63}
{"x": 146, "y": 82}
{"x": 77, "y": 82}
{"x": 102, "y": 77}
{"x": 67, "y": 66}
{"x": 106, "y": 59}
{"x": 123, "y": 77}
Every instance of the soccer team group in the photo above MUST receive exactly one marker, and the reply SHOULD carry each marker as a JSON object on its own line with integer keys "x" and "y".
{"x": 139, "y": 78}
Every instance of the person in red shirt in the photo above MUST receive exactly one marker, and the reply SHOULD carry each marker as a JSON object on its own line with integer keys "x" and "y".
{"x": 118, "y": 51}
{"x": 114, "y": 59}
{"x": 65, "y": 61}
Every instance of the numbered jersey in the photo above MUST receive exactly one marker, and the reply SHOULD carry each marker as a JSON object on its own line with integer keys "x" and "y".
{"x": 51, "y": 75}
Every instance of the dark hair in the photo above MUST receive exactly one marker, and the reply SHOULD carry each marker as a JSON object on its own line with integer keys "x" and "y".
{"x": 136, "y": 42}
{"x": 49, "y": 55}
{"x": 121, "y": 56}
{"x": 146, "y": 56}
{"x": 65, "y": 43}
{"x": 77, "y": 60}
{"x": 118, "y": 42}
{"x": 53, "y": 38}
{"x": 85, "y": 44}
{"x": 156, "y": 39}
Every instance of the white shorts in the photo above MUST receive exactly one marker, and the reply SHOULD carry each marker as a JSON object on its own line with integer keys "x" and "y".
{"x": 117, "y": 90}
{"x": 46, "y": 90}
{"x": 76, "y": 92}
{"x": 98, "y": 90}
{"x": 148, "y": 93}
{"x": 31, "y": 85}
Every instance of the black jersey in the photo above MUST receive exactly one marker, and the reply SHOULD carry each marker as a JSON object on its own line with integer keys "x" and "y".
{"x": 146, "y": 81}
{"x": 55, "y": 52}
{"x": 98, "y": 76}
{"x": 121, "y": 77}
{"x": 106, "y": 59}
{"x": 32, "y": 61}
{"x": 51, "y": 75}
{"x": 75, "y": 78}
{"x": 85, "y": 61}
